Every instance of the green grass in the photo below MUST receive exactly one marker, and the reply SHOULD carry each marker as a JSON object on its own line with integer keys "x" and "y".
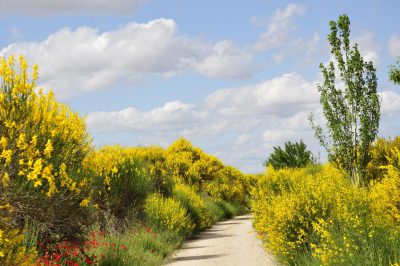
{"x": 137, "y": 246}
{"x": 232, "y": 209}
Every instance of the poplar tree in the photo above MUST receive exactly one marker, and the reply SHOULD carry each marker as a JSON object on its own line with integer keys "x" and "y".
{"x": 351, "y": 107}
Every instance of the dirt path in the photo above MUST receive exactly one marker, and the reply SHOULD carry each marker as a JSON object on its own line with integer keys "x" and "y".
{"x": 231, "y": 242}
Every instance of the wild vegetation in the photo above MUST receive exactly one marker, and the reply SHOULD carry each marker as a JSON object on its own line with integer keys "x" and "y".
{"x": 64, "y": 203}
{"x": 292, "y": 155}
{"x": 346, "y": 212}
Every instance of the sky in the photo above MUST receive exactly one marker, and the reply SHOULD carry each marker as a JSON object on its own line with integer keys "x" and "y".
{"x": 236, "y": 78}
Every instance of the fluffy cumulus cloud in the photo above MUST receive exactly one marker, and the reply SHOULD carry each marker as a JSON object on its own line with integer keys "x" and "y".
{"x": 280, "y": 27}
{"x": 227, "y": 61}
{"x": 368, "y": 46}
{"x": 245, "y": 122}
{"x": 390, "y": 103}
{"x": 283, "y": 41}
{"x": 244, "y": 108}
{"x": 51, "y": 7}
{"x": 240, "y": 125}
{"x": 84, "y": 59}
{"x": 394, "y": 45}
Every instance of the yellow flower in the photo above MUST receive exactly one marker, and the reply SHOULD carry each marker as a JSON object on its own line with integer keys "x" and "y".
{"x": 85, "y": 202}
{"x": 37, "y": 183}
{"x": 6, "y": 180}
{"x": 48, "y": 149}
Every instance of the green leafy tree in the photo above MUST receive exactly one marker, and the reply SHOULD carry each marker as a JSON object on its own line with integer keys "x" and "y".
{"x": 351, "y": 109}
{"x": 394, "y": 72}
{"x": 293, "y": 155}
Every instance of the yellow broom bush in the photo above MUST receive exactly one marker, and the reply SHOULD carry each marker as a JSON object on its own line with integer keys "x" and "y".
{"x": 168, "y": 213}
{"x": 314, "y": 215}
{"x": 195, "y": 204}
{"x": 42, "y": 145}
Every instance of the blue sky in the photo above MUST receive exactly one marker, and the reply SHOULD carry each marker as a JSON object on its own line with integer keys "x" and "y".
{"x": 234, "y": 77}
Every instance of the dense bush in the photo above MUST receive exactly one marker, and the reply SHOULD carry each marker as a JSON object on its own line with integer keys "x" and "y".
{"x": 291, "y": 156}
{"x": 195, "y": 205}
{"x": 382, "y": 153}
{"x": 229, "y": 184}
{"x": 120, "y": 183}
{"x": 42, "y": 145}
{"x": 55, "y": 188}
{"x": 168, "y": 213}
{"x": 316, "y": 216}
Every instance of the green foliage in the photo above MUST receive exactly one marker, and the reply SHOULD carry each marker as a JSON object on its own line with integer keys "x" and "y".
{"x": 216, "y": 211}
{"x": 352, "y": 112}
{"x": 394, "y": 72}
{"x": 293, "y": 155}
{"x": 140, "y": 246}
{"x": 231, "y": 209}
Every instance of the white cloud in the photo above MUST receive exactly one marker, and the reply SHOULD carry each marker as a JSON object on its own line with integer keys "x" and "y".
{"x": 280, "y": 27}
{"x": 368, "y": 47}
{"x": 227, "y": 61}
{"x": 240, "y": 125}
{"x": 390, "y": 102}
{"x": 280, "y": 96}
{"x": 51, "y": 7}
{"x": 235, "y": 117}
{"x": 171, "y": 116}
{"x": 394, "y": 45}
{"x": 244, "y": 109}
{"x": 283, "y": 41}
{"x": 76, "y": 61}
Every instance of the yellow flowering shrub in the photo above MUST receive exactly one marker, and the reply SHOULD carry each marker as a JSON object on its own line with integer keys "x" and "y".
{"x": 190, "y": 164}
{"x": 382, "y": 153}
{"x": 121, "y": 182}
{"x": 168, "y": 213}
{"x": 385, "y": 195}
{"x": 123, "y": 177}
{"x": 288, "y": 204}
{"x": 12, "y": 248}
{"x": 314, "y": 215}
{"x": 195, "y": 204}
{"x": 155, "y": 160}
{"x": 229, "y": 184}
{"x": 42, "y": 145}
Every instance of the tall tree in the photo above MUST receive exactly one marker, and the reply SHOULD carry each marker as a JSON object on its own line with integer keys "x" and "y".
{"x": 394, "y": 72}
{"x": 293, "y": 155}
{"x": 351, "y": 108}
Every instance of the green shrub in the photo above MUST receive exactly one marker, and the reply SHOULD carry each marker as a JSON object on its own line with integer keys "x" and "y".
{"x": 293, "y": 155}
{"x": 231, "y": 209}
{"x": 216, "y": 211}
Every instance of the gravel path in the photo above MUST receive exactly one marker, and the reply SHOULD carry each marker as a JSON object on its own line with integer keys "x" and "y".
{"x": 231, "y": 242}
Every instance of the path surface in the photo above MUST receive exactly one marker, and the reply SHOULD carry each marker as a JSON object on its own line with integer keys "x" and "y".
{"x": 231, "y": 242}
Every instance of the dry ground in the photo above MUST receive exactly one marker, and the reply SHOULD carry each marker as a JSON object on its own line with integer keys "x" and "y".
{"x": 231, "y": 242}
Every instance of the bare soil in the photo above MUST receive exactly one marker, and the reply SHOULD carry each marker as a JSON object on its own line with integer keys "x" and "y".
{"x": 230, "y": 242}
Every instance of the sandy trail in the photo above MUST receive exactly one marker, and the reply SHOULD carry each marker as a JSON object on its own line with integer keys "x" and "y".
{"x": 231, "y": 242}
